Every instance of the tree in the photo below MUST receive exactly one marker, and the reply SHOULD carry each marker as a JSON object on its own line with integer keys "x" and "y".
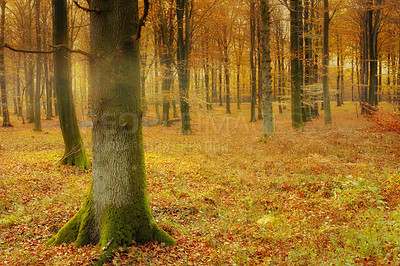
{"x": 296, "y": 69}
{"x": 116, "y": 211}
{"x": 325, "y": 67}
{"x": 268, "y": 122}
{"x": 74, "y": 149}
{"x": 4, "y": 106}
{"x": 253, "y": 77}
{"x": 37, "y": 118}
{"x": 184, "y": 21}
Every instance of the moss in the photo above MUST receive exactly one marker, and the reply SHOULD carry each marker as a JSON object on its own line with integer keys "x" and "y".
{"x": 129, "y": 223}
{"x": 78, "y": 159}
{"x": 77, "y": 228}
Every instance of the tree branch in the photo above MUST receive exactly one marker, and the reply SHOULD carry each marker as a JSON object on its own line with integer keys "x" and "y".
{"x": 85, "y": 8}
{"x": 334, "y": 12}
{"x": 56, "y": 48}
{"x": 142, "y": 20}
{"x": 5, "y": 45}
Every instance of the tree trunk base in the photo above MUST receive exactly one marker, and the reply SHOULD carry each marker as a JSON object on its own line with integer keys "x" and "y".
{"x": 117, "y": 228}
{"x": 78, "y": 158}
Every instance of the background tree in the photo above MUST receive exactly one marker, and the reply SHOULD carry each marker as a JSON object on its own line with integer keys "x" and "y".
{"x": 184, "y": 9}
{"x": 268, "y": 122}
{"x": 4, "y": 105}
{"x": 74, "y": 149}
{"x": 325, "y": 65}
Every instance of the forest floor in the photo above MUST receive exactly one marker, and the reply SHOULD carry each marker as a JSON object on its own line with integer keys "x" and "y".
{"x": 324, "y": 195}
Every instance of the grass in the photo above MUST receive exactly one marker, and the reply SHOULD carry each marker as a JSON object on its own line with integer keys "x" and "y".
{"x": 323, "y": 195}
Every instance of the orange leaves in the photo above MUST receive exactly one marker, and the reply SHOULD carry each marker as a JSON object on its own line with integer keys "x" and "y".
{"x": 385, "y": 121}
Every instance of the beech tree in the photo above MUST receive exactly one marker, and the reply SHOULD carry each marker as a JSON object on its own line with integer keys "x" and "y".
{"x": 74, "y": 149}
{"x": 184, "y": 21}
{"x": 325, "y": 67}
{"x": 268, "y": 122}
{"x": 296, "y": 69}
{"x": 4, "y": 106}
{"x": 116, "y": 211}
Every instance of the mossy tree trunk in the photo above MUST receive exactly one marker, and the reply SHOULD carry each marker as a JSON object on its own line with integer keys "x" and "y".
{"x": 117, "y": 209}
{"x": 74, "y": 149}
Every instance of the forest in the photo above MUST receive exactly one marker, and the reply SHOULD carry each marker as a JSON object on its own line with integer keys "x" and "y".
{"x": 187, "y": 132}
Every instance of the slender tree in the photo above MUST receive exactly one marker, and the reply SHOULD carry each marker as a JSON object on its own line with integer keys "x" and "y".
{"x": 4, "y": 106}
{"x": 184, "y": 21}
{"x": 296, "y": 69}
{"x": 268, "y": 121}
{"x": 37, "y": 115}
{"x": 74, "y": 149}
{"x": 325, "y": 63}
{"x": 253, "y": 77}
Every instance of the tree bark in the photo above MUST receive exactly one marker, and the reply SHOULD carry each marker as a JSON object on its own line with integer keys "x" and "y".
{"x": 74, "y": 153}
{"x": 116, "y": 211}
{"x": 325, "y": 68}
{"x": 37, "y": 114}
{"x": 296, "y": 71}
{"x": 268, "y": 120}
{"x": 4, "y": 106}
{"x": 253, "y": 78}
{"x": 184, "y": 21}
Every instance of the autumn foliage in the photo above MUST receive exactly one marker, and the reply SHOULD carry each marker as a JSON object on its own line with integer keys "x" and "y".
{"x": 384, "y": 120}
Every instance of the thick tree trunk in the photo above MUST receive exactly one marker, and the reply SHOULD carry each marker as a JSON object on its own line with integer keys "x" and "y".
{"x": 117, "y": 209}
{"x": 4, "y": 106}
{"x": 325, "y": 68}
{"x": 74, "y": 149}
{"x": 268, "y": 122}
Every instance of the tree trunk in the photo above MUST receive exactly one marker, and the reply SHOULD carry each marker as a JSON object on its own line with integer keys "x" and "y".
{"x": 49, "y": 104}
{"x": 227, "y": 80}
{"x": 252, "y": 63}
{"x": 116, "y": 211}
{"x": 325, "y": 68}
{"x": 37, "y": 115}
{"x": 74, "y": 153}
{"x": 296, "y": 71}
{"x": 268, "y": 122}
{"x": 4, "y": 106}
{"x": 338, "y": 90}
{"x": 184, "y": 22}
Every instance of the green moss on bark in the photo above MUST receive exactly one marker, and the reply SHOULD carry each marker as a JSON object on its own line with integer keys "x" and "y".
{"x": 78, "y": 228}
{"x": 79, "y": 159}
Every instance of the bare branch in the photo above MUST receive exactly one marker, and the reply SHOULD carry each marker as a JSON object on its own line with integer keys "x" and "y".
{"x": 5, "y": 45}
{"x": 56, "y": 48}
{"x": 333, "y": 14}
{"x": 86, "y": 9}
